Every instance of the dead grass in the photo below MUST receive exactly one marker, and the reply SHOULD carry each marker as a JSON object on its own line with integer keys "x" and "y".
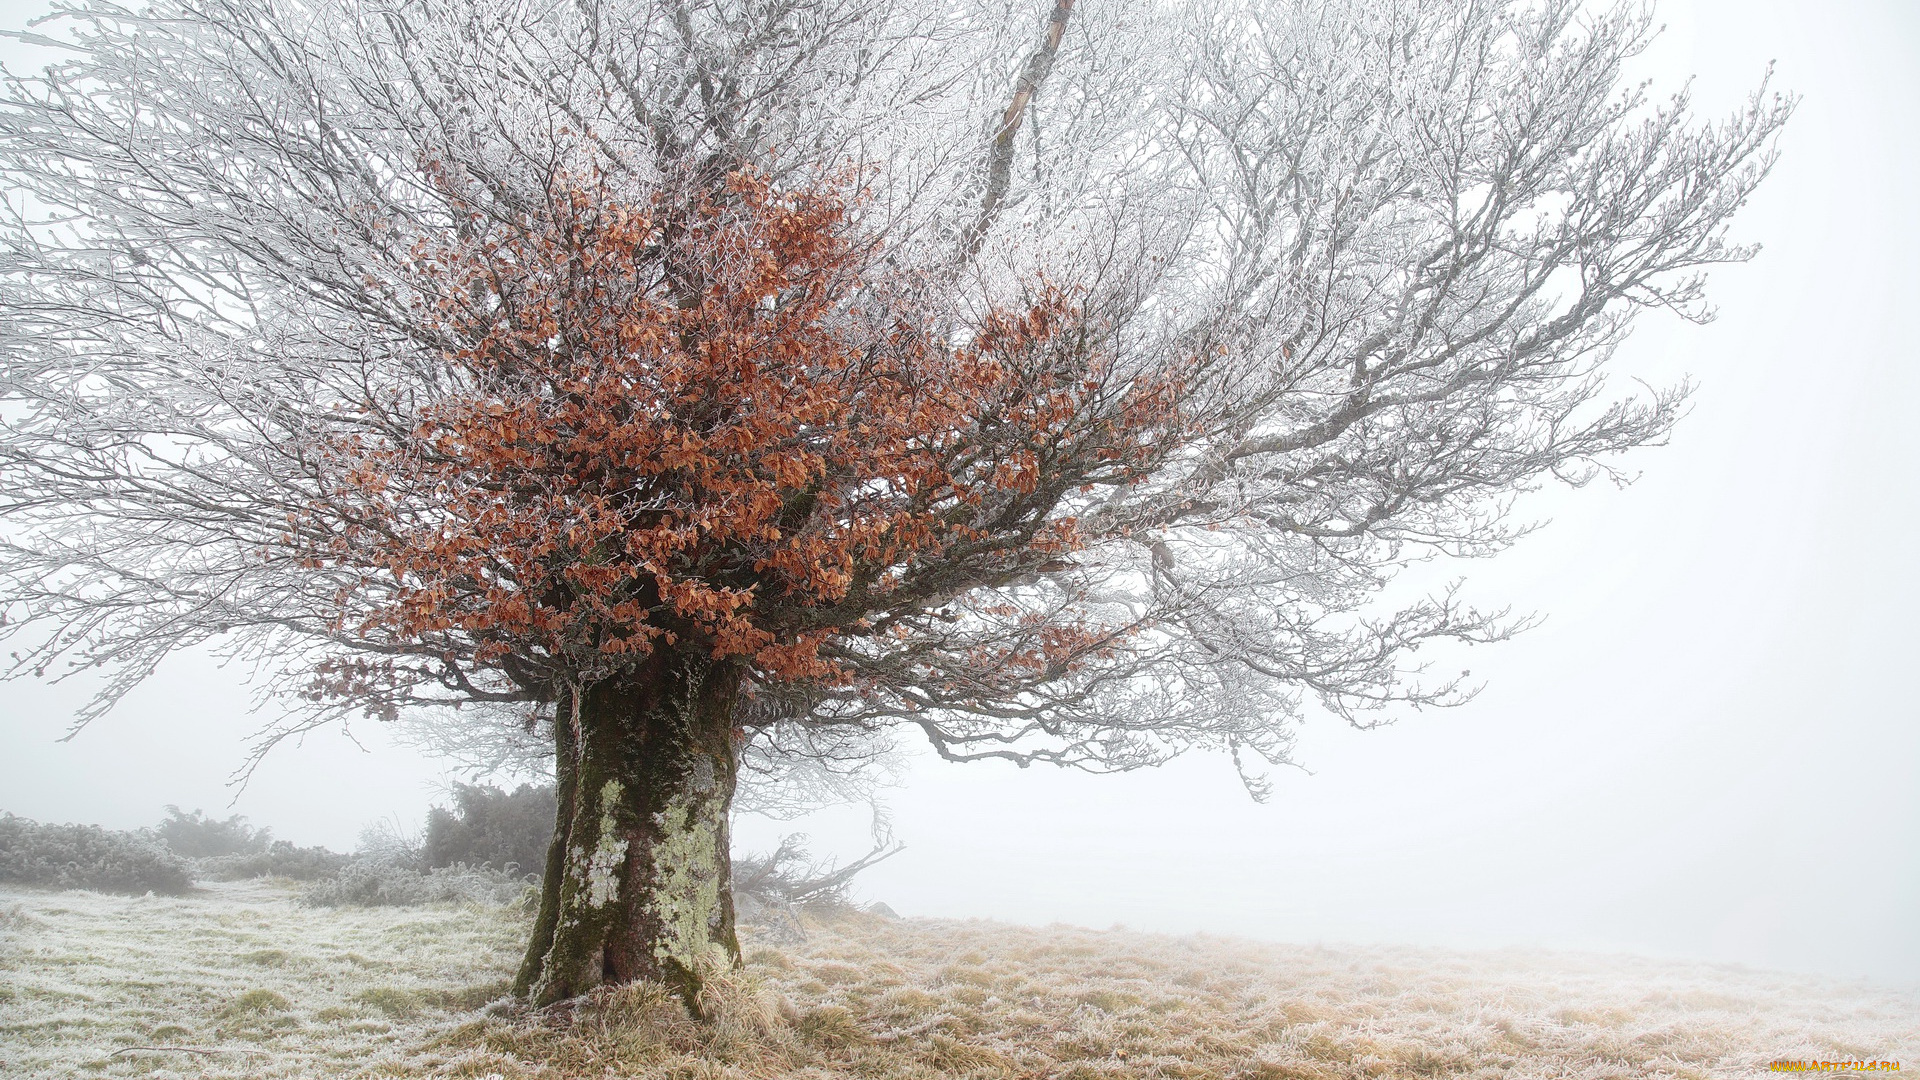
{"x": 276, "y": 990}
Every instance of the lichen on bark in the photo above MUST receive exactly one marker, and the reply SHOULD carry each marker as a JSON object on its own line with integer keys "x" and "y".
{"x": 687, "y": 877}
{"x": 600, "y": 874}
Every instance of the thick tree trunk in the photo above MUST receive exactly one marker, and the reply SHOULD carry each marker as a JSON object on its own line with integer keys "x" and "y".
{"x": 564, "y": 754}
{"x": 639, "y": 876}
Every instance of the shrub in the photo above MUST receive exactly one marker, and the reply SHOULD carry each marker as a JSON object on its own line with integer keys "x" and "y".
{"x": 197, "y": 836}
{"x": 388, "y": 841}
{"x": 366, "y": 883}
{"x": 491, "y": 827}
{"x": 278, "y": 859}
{"x": 87, "y": 857}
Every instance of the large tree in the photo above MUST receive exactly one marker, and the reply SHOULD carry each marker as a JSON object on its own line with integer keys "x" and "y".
{"x": 707, "y": 381}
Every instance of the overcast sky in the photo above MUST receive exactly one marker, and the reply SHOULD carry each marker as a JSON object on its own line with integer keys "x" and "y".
{"x": 1709, "y": 748}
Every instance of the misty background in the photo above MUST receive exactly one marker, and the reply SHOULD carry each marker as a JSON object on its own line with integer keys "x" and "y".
{"x": 1708, "y": 749}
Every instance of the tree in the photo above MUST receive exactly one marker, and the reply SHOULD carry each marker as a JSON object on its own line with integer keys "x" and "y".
{"x": 708, "y": 381}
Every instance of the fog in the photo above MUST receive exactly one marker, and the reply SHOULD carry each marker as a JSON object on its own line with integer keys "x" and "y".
{"x": 1708, "y": 748}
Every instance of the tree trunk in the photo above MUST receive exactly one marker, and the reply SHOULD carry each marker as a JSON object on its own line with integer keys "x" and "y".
{"x": 563, "y": 776}
{"x": 639, "y": 880}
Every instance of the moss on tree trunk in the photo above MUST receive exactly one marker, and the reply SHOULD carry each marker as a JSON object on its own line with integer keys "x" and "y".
{"x": 639, "y": 876}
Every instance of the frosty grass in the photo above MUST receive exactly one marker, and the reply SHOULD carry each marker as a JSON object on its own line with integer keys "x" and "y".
{"x": 269, "y": 988}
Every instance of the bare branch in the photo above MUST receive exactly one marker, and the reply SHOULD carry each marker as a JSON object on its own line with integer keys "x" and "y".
{"x": 1000, "y": 148}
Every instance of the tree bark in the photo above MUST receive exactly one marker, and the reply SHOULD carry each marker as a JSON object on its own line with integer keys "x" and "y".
{"x": 639, "y": 882}
{"x": 564, "y": 723}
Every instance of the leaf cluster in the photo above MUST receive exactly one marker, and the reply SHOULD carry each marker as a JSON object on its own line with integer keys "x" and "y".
{"x": 695, "y": 423}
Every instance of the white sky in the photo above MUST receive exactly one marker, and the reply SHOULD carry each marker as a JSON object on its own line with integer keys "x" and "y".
{"x": 1708, "y": 750}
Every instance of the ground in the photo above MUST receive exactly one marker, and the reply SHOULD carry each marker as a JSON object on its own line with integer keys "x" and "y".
{"x": 264, "y": 987}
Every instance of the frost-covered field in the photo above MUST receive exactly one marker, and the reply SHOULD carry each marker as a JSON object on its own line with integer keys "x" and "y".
{"x": 278, "y": 989}
{"x": 266, "y": 988}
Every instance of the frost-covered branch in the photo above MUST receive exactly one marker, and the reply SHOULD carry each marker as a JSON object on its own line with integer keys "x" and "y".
{"x": 1384, "y": 253}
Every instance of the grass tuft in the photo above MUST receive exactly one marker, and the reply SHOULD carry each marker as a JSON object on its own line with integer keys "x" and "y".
{"x": 256, "y": 1003}
{"x": 398, "y": 1004}
{"x": 831, "y": 1027}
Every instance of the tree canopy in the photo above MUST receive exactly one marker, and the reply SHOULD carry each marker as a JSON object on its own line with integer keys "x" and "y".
{"x": 662, "y": 427}
{"x": 1064, "y": 385}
